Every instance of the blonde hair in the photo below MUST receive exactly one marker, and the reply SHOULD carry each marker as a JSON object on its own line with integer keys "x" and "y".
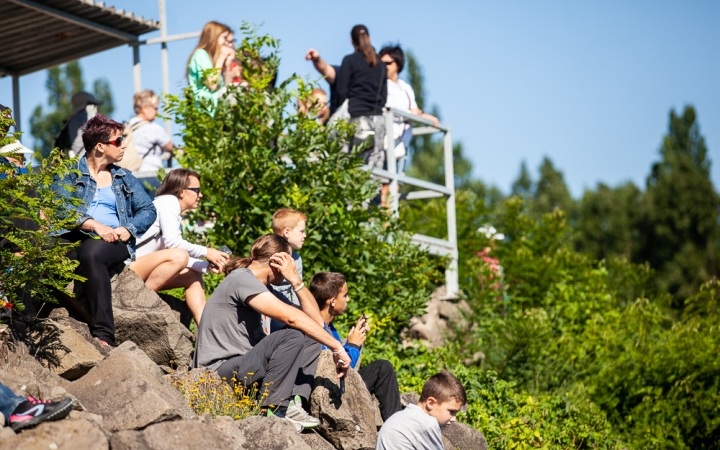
{"x": 262, "y": 249}
{"x": 286, "y": 218}
{"x": 209, "y": 39}
{"x": 143, "y": 98}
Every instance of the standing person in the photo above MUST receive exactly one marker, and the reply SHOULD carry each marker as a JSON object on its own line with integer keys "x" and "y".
{"x": 329, "y": 72}
{"x": 362, "y": 80}
{"x": 114, "y": 211}
{"x": 400, "y": 96}
{"x": 84, "y": 108}
{"x": 152, "y": 142}
{"x": 215, "y": 50}
{"x": 162, "y": 244}
{"x": 419, "y": 426}
{"x": 231, "y": 340}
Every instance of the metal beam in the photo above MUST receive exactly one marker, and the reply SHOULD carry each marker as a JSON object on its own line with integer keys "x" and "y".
{"x": 416, "y": 118}
{"x": 16, "y": 100}
{"x": 419, "y": 195}
{"x": 451, "y": 273}
{"x": 411, "y": 181}
{"x": 164, "y": 58}
{"x": 420, "y": 131}
{"x": 171, "y": 38}
{"x": 137, "y": 75}
{"x": 76, "y": 20}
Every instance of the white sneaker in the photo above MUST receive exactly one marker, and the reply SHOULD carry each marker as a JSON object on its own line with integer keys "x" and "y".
{"x": 297, "y": 415}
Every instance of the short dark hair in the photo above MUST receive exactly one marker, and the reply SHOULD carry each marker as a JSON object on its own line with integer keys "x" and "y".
{"x": 326, "y": 285}
{"x": 175, "y": 182}
{"x": 99, "y": 129}
{"x": 396, "y": 53}
{"x": 442, "y": 387}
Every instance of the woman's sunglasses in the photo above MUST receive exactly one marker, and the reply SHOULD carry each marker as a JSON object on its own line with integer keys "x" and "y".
{"x": 116, "y": 142}
{"x": 196, "y": 190}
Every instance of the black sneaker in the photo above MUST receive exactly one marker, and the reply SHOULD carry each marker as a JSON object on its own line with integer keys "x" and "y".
{"x": 32, "y": 412}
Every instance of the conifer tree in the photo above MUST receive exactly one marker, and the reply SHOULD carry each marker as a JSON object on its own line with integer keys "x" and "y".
{"x": 523, "y": 185}
{"x": 551, "y": 191}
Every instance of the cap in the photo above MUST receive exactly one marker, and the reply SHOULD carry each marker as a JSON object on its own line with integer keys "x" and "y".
{"x": 16, "y": 148}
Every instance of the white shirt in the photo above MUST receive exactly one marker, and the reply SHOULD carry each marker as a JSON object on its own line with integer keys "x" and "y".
{"x": 400, "y": 96}
{"x": 168, "y": 222}
{"x": 149, "y": 139}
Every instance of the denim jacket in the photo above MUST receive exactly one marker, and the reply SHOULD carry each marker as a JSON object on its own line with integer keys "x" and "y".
{"x": 135, "y": 210}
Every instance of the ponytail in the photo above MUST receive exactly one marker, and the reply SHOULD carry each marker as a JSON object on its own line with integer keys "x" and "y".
{"x": 262, "y": 249}
{"x": 361, "y": 40}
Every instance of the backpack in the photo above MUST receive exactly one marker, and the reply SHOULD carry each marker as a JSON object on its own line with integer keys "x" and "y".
{"x": 132, "y": 160}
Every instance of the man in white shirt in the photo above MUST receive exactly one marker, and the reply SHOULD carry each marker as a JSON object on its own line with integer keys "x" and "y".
{"x": 151, "y": 140}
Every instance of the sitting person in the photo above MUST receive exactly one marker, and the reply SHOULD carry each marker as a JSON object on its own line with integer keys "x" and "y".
{"x": 231, "y": 339}
{"x": 114, "y": 212}
{"x": 315, "y": 105}
{"x": 20, "y": 412}
{"x": 331, "y": 293}
{"x": 162, "y": 254}
{"x": 215, "y": 50}
{"x": 152, "y": 142}
{"x": 418, "y": 426}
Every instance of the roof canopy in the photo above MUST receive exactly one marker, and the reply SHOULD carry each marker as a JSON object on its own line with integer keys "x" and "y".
{"x": 39, "y": 34}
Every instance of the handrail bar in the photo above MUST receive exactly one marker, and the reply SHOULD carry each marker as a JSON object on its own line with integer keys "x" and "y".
{"x": 409, "y": 180}
{"x": 416, "y": 118}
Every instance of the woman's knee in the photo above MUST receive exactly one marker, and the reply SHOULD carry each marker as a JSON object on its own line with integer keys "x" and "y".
{"x": 178, "y": 256}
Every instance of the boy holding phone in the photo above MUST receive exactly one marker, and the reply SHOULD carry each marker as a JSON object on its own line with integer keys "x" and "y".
{"x": 331, "y": 293}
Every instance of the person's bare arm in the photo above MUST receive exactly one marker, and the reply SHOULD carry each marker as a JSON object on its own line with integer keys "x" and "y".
{"x": 168, "y": 147}
{"x": 286, "y": 265}
{"x": 419, "y": 112}
{"x": 325, "y": 69}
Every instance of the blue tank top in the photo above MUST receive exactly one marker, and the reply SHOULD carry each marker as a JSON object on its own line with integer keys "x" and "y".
{"x": 103, "y": 208}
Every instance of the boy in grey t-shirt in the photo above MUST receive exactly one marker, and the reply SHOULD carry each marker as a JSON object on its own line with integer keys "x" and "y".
{"x": 418, "y": 426}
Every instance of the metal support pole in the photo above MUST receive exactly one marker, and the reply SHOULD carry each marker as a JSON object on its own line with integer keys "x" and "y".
{"x": 391, "y": 162}
{"x": 451, "y": 273}
{"x": 16, "y": 100}
{"x": 164, "y": 57}
{"x": 137, "y": 80}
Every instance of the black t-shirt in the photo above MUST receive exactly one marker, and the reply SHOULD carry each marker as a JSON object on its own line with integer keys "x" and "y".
{"x": 334, "y": 103}
{"x": 364, "y": 85}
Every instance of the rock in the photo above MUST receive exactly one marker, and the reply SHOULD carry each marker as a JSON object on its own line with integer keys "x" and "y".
{"x": 128, "y": 395}
{"x": 92, "y": 418}
{"x": 6, "y": 432}
{"x": 179, "y": 308}
{"x": 270, "y": 433}
{"x": 464, "y": 437}
{"x": 179, "y": 435}
{"x": 447, "y": 445}
{"x": 140, "y": 356}
{"x": 68, "y": 434}
{"x": 409, "y": 398}
{"x": 68, "y": 353}
{"x": 316, "y": 442}
{"x": 25, "y": 376}
{"x": 347, "y": 421}
{"x": 143, "y": 317}
{"x": 229, "y": 427}
{"x": 83, "y": 329}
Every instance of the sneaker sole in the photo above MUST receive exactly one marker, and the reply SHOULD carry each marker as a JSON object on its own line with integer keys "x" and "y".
{"x": 57, "y": 415}
{"x": 304, "y": 425}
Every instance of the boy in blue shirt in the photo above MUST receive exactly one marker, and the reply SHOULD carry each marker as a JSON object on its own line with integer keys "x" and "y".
{"x": 331, "y": 293}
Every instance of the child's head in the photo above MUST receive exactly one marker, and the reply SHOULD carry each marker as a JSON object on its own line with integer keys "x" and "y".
{"x": 443, "y": 395}
{"x": 330, "y": 291}
{"x": 290, "y": 224}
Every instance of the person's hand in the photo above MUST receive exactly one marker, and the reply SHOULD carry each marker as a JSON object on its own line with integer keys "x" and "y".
{"x": 312, "y": 55}
{"x": 286, "y": 265}
{"x": 214, "y": 269}
{"x": 218, "y": 258}
{"x": 107, "y": 234}
{"x": 342, "y": 363}
{"x": 435, "y": 121}
{"x": 359, "y": 332}
{"x": 122, "y": 233}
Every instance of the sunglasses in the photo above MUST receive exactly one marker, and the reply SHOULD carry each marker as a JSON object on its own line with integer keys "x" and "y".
{"x": 116, "y": 142}
{"x": 195, "y": 190}
{"x": 389, "y": 63}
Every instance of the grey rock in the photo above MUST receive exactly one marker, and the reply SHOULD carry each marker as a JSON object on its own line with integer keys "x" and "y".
{"x": 447, "y": 445}
{"x": 25, "y": 376}
{"x": 270, "y": 433}
{"x": 347, "y": 421}
{"x": 178, "y": 435}
{"x": 92, "y": 418}
{"x": 68, "y": 434}
{"x": 127, "y": 395}
{"x": 409, "y": 398}
{"x": 73, "y": 355}
{"x": 316, "y": 442}
{"x": 464, "y": 437}
{"x": 140, "y": 356}
{"x": 143, "y": 317}
{"x": 230, "y": 428}
{"x": 6, "y": 432}
{"x": 84, "y": 331}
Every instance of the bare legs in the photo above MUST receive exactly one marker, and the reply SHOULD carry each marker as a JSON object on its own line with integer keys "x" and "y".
{"x": 166, "y": 269}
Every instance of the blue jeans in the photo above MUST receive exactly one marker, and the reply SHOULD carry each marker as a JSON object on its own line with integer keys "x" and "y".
{"x": 8, "y": 401}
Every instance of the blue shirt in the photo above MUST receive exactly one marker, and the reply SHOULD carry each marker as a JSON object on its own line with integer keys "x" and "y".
{"x": 103, "y": 209}
{"x": 351, "y": 349}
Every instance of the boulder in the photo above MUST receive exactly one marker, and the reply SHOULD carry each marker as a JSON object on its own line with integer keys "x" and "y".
{"x": 140, "y": 357}
{"x": 82, "y": 329}
{"x": 178, "y": 435}
{"x": 434, "y": 326}
{"x": 464, "y": 437}
{"x": 316, "y": 442}
{"x": 6, "y": 432}
{"x": 229, "y": 427}
{"x": 128, "y": 395}
{"x": 143, "y": 317}
{"x": 92, "y": 418}
{"x": 347, "y": 421}
{"x": 270, "y": 433}
{"x": 409, "y": 398}
{"x": 68, "y": 434}
{"x": 66, "y": 352}
{"x": 25, "y": 376}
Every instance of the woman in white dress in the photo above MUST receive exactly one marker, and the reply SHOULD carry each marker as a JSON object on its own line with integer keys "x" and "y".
{"x": 164, "y": 259}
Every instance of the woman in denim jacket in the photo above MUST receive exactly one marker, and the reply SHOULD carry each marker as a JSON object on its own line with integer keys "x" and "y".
{"x": 114, "y": 212}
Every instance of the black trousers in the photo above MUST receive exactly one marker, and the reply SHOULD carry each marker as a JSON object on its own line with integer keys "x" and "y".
{"x": 286, "y": 360}
{"x": 380, "y": 379}
{"x": 96, "y": 258}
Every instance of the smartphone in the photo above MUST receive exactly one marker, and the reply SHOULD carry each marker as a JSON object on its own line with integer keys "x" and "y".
{"x": 364, "y": 319}
{"x": 225, "y": 249}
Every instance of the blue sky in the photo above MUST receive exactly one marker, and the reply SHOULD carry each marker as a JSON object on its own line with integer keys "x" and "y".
{"x": 589, "y": 84}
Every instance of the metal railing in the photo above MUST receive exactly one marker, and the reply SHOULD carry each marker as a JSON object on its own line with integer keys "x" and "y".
{"x": 433, "y": 245}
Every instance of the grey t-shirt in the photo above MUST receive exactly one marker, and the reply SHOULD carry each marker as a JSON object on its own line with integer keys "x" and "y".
{"x": 229, "y": 327}
{"x": 411, "y": 428}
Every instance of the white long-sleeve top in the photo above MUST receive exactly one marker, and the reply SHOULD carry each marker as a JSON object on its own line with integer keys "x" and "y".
{"x": 168, "y": 222}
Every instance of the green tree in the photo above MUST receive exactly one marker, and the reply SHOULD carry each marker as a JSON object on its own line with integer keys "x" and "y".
{"x": 680, "y": 224}
{"x": 523, "y": 185}
{"x": 62, "y": 83}
{"x": 551, "y": 191}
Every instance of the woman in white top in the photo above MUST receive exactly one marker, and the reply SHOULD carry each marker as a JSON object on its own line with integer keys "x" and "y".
{"x": 164, "y": 260}
{"x": 400, "y": 95}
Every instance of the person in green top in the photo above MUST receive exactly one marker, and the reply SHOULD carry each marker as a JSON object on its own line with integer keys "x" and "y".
{"x": 215, "y": 50}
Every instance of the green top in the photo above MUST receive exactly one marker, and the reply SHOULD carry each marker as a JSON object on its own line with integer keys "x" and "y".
{"x": 199, "y": 63}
